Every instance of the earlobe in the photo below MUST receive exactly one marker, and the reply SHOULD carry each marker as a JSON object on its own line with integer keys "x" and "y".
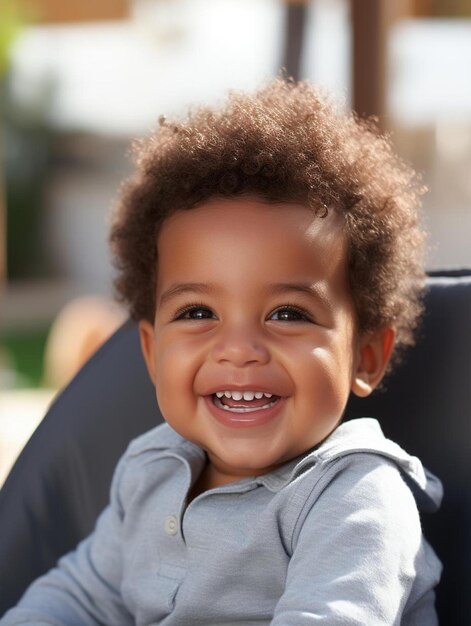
{"x": 146, "y": 334}
{"x": 374, "y": 352}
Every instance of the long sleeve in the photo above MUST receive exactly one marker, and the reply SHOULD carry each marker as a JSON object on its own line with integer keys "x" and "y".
{"x": 84, "y": 588}
{"x": 357, "y": 551}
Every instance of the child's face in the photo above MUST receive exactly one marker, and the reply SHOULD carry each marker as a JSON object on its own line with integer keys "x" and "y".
{"x": 253, "y": 298}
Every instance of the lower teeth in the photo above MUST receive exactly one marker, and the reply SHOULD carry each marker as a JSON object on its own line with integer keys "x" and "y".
{"x": 241, "y": 409}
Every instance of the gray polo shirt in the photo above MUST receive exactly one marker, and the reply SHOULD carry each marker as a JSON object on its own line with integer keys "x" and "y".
{"x": 333, "y": 537}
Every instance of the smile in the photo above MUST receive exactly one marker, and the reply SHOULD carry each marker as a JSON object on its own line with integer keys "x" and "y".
{"x": 244, "y": 402}
{"x": 240, "y": 409}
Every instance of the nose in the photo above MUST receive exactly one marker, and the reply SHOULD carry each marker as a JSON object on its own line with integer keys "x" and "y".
{"x": 240, "y": 346}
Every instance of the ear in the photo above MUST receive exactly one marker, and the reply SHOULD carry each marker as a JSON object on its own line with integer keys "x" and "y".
{"x": 374, "y": 352}
{"x": 146, "y": 334}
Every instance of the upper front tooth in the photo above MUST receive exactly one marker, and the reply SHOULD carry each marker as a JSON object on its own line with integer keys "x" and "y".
{"x": 246, "y": 395}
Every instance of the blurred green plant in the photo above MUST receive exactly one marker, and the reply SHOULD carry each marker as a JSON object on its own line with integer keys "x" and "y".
{"x": 12, "y": 20}
{"x": 24, "y": 353}
{"x": 26, "y": 145}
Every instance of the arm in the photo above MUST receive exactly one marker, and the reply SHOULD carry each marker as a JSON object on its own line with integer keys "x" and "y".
{"x": 84, "y": 589}
{"x": 356, "y": 551}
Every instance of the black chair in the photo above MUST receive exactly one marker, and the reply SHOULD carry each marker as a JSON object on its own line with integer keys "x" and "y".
{"x": 61, "y": 480}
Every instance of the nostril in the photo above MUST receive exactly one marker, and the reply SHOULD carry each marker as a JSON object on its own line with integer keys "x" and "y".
{"x": 241, "y": 350}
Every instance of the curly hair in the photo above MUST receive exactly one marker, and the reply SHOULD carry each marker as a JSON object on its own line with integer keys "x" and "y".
{"x": 286, "y": 142}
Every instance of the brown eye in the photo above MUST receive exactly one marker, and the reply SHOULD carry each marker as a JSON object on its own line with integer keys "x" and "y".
{"x": 195, "y": 313}
{"x": 289, "y": 314}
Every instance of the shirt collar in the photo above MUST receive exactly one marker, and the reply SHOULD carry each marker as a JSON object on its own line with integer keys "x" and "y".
{"x": 279, "y": 478}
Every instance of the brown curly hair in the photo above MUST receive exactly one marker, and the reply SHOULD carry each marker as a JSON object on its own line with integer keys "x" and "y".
{"x": 285, "y": 142}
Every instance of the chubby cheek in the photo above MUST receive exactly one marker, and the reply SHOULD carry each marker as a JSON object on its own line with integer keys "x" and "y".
{"x": 329, "y": 379}
{"x": 322, "y": 372}
{"x": 177, "y": 365}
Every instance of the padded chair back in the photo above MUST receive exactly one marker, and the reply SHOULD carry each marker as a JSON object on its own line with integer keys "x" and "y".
{"x": 61, "y": 480}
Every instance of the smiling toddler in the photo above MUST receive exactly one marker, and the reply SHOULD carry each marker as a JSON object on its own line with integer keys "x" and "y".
{"x": 271, "y": 253}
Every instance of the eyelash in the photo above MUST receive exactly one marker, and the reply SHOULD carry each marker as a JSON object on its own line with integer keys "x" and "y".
{"x": 304, "y": 316}
{"x": 180, "y": 314}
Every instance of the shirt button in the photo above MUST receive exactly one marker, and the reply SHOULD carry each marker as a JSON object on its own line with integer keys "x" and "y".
{"x": 171, "y": 525}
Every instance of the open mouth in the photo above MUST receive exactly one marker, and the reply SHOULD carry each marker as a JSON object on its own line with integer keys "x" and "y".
{"x": 244, "y": 401}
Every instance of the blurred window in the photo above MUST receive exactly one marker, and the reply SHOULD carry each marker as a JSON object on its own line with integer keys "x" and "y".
{"x": 430, "y": 116}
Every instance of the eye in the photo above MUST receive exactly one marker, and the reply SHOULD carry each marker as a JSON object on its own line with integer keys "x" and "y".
{"x": 290, "y": 313}
{"x": 195, "y": 312}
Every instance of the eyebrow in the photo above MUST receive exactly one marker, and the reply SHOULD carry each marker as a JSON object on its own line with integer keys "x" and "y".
{"x": 312, "y": 290}
{"x": 181, "y": 289}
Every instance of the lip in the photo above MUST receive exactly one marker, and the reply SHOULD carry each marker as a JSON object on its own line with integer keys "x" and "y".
{"x": 250, "y": 419}
{"x": 241, "y": 388}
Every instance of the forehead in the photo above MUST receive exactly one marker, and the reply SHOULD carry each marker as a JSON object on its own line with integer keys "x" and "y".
{"x": 247, "y": 234}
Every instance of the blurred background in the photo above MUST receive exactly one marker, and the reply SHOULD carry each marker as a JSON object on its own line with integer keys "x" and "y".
{"x": 78, "y": 81}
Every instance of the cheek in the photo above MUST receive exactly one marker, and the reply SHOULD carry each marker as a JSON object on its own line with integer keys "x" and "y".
{"x": 177, "y": 364}
{"x": 176, "y": 351}
{"x": 323, "y": 370}
{"x": 332, "y": 375}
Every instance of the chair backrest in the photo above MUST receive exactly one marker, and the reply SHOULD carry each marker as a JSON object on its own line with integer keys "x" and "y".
{"x": 61, "y": 480}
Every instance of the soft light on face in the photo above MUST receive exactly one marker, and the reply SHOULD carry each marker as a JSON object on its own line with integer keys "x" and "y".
{"x": 253, "y": 350}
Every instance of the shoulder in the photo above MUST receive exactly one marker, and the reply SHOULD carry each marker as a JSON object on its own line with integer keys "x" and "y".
{"x": 364, "y": 497}
{"x": 369, "y": 481}
{"x": 362, "y": 477}
{"x": 364, "y": 437}
{"x": 358, "y": 472}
